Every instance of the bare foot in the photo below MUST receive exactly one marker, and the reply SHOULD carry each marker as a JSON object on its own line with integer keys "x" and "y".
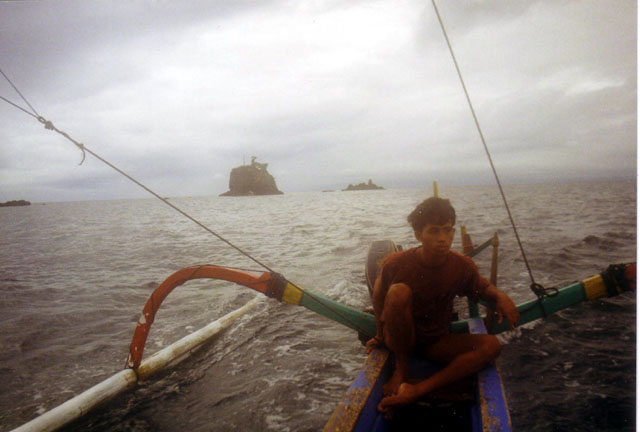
{"x": 406, "y": 394}
{"x": 391, "y": 386}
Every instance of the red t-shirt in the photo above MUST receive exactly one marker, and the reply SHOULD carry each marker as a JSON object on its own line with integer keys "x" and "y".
{"x": 433, "y": 288}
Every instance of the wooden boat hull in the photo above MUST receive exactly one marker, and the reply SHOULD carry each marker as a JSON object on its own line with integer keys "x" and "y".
{"x": 476, "y": 404}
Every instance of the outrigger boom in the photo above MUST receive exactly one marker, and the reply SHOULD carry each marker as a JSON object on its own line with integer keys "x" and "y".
{"x": 613, "y": 281}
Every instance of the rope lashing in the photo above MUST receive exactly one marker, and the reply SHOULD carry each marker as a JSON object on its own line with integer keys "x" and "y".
{"x": 541, "y": 291}
{"x": 49, "y": 125}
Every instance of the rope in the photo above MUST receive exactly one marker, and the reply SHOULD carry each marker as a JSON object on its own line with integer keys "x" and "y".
{"x": 537, "y": 289}
{"x": 17, "y": 106}
{"x": 23, "y": 98}
{"x": 49, "y": 125}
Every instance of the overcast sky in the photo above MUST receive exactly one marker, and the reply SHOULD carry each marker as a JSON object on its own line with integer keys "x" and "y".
{"x": 326, "y": 92}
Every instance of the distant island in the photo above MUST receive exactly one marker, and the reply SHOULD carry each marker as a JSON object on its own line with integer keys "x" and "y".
{"x": 363, "y": 186}
{"x": 15, "y": 203}
{"x": 249, "y": 180}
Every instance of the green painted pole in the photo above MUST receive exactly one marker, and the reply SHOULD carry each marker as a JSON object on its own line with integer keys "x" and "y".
{"x": 611, "y": 282}
{"x": 589, "y": 289}
{"x": 358, "y": 320}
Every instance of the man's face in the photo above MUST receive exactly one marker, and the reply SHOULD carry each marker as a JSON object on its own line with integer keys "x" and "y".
{"x": 436, "y": 239}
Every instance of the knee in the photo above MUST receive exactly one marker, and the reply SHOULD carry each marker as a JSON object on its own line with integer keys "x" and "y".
{"x": 491, "y": 347}
{"x": 398, "y": 295}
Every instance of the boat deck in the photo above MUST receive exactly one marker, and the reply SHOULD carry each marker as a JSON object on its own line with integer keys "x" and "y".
{"x": 475, "y": 404}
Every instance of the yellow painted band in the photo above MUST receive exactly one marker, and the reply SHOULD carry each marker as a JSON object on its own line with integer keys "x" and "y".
{"x": 594, "y": 287}
{"x": 292, "y": 294}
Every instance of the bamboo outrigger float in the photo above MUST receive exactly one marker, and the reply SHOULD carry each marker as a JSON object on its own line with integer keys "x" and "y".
{"x": 128, "y": 378}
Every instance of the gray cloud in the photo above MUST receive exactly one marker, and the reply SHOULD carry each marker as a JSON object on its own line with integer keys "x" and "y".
{"x": 179, "y": 93}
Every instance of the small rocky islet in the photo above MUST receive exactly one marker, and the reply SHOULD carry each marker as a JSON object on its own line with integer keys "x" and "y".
{"x": 363, "y": 186}
{"x": 249, "y": 180}
{"x": 15, "y": 203}
{"x": 254, "y": 179}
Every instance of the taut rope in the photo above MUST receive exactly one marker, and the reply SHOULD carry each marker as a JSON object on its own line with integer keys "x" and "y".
{"x": 537, "y": 289}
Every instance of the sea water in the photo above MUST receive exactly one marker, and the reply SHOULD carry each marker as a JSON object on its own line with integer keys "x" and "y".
{"x": 74, "y": 277}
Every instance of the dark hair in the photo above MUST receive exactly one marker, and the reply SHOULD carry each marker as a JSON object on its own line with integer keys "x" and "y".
{"x": 432, "y": 210}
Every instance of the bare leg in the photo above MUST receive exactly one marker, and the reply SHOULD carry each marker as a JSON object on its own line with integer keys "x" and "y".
{"x": 463, "y": 355}
{"x": 399, "y": 333}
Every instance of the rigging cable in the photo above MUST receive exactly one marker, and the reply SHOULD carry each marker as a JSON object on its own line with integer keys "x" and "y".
{"x": 49, "y": 125}
{"x": 23, "y": 98}
{"x": 537, "y": 289}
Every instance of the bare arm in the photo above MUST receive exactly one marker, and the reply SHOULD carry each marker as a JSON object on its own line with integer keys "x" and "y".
{"x": 504, "y": 305}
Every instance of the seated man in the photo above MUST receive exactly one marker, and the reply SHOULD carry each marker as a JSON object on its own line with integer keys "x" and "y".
{"x": 413, "y": 304}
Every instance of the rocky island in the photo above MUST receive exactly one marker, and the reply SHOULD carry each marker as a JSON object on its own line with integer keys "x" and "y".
{"x": 15, "y": 203}
{"x": 363, "y": 186}
{"x": 254, "y": 179}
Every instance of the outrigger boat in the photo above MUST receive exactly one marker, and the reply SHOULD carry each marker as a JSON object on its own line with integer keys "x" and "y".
{"x": 475, "y": 404}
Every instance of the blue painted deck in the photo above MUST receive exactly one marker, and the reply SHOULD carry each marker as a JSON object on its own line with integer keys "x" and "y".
{"x": 485, "y": 410}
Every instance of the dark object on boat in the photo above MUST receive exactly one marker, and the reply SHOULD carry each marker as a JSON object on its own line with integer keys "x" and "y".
{"x": 377, "y": 253}
{"x": 363, "y": 186}
{"x": 18, "y": 203}
{"x": 249, "y": 180}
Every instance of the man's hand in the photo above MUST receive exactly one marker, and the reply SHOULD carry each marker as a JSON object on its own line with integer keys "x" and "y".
{"x": 506, "y": 308}
{"x": 374, "y": 342}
